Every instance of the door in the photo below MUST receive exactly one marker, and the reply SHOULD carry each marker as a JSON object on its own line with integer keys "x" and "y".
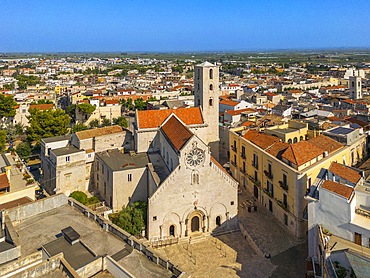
{"x": 358, "y": 239}
{"x": 195, "y": 224}
{"x": 256, "y": 192}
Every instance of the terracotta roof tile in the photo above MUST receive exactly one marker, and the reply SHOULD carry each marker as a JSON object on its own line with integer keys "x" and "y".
{"x": 154, "y": 118}
{"x": 90, "y": 133}
{"x": 262, "y": 140}
{"x": 4, "y": 182}
{"x": 301, "y": 153}
{"x": 278, "y": 149}
{"x": 176, "y": 132}
{"x": 229, "y": 102}
{"x": 41, "y": 106}
{"x": 340, "y": 189}
{"x": 325, "y": 143}
{"x": 345, "y": 172}
{"x": 240, "y": 111}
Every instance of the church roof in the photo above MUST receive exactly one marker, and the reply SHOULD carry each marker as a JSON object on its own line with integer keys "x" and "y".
{"x": 154, "y": 118}
{"x": 206, "y": 64}
{"x": 176, "y": 132}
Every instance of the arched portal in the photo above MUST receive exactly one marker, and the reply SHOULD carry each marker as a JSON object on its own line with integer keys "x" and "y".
{"x": 195, "y": 224}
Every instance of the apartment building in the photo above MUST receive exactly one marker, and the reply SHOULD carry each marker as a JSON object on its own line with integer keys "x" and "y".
{"x": 279, "y": 174}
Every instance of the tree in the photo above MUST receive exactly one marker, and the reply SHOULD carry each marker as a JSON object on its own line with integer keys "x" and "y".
{"x": 47, "y": 123}
{"x": 7, "y": 104}
{"x": 121, "y": 121}
{"x": 140, "y": 104}
{"x": 24, "y": 150}
{"x": 105, "y": 122}
{"x": 94, "y": 123}
{"x": 86, "y": 108}
{"x": 132, "y": 218}
{"x": 79, "y": 127}
{"x": 83, "y": 199}
{"x": 2, "y": 140}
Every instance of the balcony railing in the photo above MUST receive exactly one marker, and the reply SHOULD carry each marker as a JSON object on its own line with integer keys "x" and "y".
{"x": 243, "y": 155}
{"x": 282, "y": 205}
{"x": 255, "y": 164}
{"x": 233, "y": 163}
{"x": 283, "y": 185}
{"x": 256, "y": 182}
{"x": 234, "y": 148}
{"x": 242, "y": 170}
{"x": 269, "y": 193}
{"x": 268, "y": 174}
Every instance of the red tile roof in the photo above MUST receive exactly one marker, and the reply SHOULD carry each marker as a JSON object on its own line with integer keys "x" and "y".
{"x": 345, "y": 172}
{"x": 325, "y": 143}
{"x": 154, "y": 118}
{"x": 41, "y": 106}
{"x": 340, "y": 189}
{"x": 262, "y": 140}
{"x": 229, "y": 102}
{"x": 4, "y": 182}
{"x": 176, "y": 132}
{"x": 237, "y": 112}
{"x": 301, "y": 153}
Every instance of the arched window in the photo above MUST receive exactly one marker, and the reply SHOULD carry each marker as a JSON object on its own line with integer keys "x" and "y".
{"x": 359, "y": 84}
{"x": 211, "y": 87}
{"x": 301, "y": 138}
{"x": 295, "y": 140}
{"x": 172, "y": 230}
{"x": 211, "y": 74}
{"x": 198, "y": 74}
{"x": 218, "y": 220}
{"x": 290, "y": 141}
{"x": 210, "y": 102}
{"x": 353, "y": 84}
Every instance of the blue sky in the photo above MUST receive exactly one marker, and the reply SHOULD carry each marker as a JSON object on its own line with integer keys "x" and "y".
{"x": 187, "y": 25}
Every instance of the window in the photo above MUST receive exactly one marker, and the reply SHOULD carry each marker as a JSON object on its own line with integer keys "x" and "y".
{"x": 285, "y": 179}
{"x": 97, "y": 177}
{"x": 154, "y": 218}
{"x": 198, "y": 102}
{"x": 105, "y": 188}
{"x": 218, "y": 220}
{"x": 198, "y": 74}
{"x": 269, "y": 167}
{"x": 285, "y": 200}
{"x": 102, "y": 168}
{"x": 107, "y": 175}
{"x": 270, "y": 188}
{"x": 244, "y": 170}
{"x": 243, "y": 152}
{"x": 232, "y": 203}
{"x": 211, "y": 87}
{"x": 286, "y": 220}
{"x": 309, "y": 181}
{"x": 210, "y": 102}
{"x": 129, "y": 177}
{"x": 195, "y": 178}
{"x": 97, "y": 165}
{"x": 211, "y": 74}
{"x": 255, "y": 161}
{"x": 68, "y": 158}
{"x": 68, "y": 177}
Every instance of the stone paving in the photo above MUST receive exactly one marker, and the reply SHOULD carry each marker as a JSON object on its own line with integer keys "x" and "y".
{"x": 263, "y": 228}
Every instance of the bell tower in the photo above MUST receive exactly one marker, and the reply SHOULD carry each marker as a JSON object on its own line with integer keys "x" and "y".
{"x": 206, "y": 95}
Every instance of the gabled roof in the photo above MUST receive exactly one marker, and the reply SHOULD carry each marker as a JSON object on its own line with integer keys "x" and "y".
{"x": 340, "y": 189}
{"x": 345, "y": 172}
{"x": 229, "y": 102}
{"x": 301, "y": 153}
{"x": 90, "y": 133}
{"x": 176, "y": 132}
{"x": 262, "y": 140}
{"x": 154, "y": 118}
{"x": 278, "y": 149}
{"x": 325, "y": 143}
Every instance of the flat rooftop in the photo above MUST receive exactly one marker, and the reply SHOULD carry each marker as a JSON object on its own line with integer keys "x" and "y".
{"x": 116, "y": 160}
{"x": 66, "y": 150}
{"x": 76, "y": 255}
{"x": 57, "y": 138}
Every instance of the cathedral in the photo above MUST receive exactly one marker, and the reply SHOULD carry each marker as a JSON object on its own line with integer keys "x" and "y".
{"x": 189, "y": 193}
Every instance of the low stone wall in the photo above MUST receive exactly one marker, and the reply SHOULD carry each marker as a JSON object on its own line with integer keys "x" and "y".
{"x": 11, "y": 236}
{"x": 28, "y": 210}
{"x": 115, "y": 269}
{"x": 126, "y": 237}
{"x": 91, "y": 268}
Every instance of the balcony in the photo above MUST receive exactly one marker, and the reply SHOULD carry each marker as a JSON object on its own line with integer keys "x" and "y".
{"x": 282, "y": 205}
{"x": 243, "y": 155}
{"x": 242, "y": 170}
{"x": 233, "y": 163}
{"x": 268, "y": 174}
{"x": 283, "y": 185}
{"x": 256, "y": 182}
{"x": 234, "y": 148}
{"x": 269, "y": 193}
{"x": 255, "y": 164}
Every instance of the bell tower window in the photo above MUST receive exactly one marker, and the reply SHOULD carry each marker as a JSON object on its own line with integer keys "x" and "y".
{"x": 210, "y": 102}
{"x": 211, "y": 87}
{"x": 211, "y": 74}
